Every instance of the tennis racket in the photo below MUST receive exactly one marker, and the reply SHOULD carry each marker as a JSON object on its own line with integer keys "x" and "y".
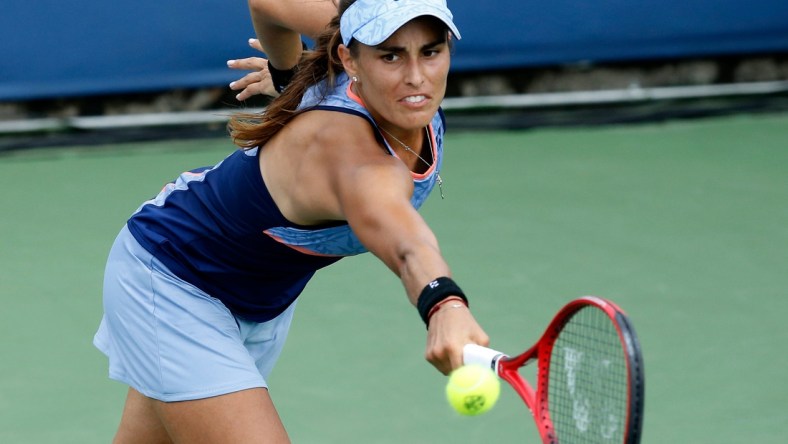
{"x": 590, "y": 380}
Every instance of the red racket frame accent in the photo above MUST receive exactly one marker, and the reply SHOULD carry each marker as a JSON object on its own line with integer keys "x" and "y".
{"x": 537, "y": 400}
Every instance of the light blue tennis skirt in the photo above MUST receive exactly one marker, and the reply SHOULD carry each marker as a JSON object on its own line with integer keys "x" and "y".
{"x": 173, "y": 342}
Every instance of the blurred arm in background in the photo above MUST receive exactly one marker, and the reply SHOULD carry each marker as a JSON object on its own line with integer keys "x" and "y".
{"x": 279, "y": 25}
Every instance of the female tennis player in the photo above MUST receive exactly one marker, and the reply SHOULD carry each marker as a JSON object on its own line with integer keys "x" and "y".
{"x": 201, "y": 283}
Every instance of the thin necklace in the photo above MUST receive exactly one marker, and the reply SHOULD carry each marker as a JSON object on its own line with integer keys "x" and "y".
{"x": 410, "y": 150}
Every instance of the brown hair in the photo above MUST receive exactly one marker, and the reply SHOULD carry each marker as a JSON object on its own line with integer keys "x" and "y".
{"x": 250, "y": 130}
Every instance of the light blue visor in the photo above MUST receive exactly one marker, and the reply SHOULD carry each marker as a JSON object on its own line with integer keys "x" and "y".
{"x": 371, "y": 22}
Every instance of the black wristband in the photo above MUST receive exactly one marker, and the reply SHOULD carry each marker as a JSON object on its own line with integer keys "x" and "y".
{"x": 434, "y": 292}
{"x": 282, "y": 77}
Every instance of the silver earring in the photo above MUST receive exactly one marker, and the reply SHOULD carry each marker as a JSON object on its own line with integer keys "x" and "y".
{"x": 354, "y": 79}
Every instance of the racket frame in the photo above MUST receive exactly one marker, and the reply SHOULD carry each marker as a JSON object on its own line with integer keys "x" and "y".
{"x": 507, "y": 367}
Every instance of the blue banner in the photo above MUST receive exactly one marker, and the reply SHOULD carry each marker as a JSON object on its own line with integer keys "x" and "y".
{"x": 57, "y": 49}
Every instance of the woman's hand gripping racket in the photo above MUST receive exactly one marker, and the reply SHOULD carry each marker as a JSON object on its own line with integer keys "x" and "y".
{"x": 589, "y": 384}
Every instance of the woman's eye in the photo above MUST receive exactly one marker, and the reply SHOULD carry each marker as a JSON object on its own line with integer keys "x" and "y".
{"x": 390, "y": 57}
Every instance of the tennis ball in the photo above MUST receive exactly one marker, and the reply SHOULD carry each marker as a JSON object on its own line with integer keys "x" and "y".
{"x": 473, "y": 389}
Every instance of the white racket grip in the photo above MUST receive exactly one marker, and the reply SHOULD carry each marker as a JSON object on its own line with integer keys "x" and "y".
{"x": 477, "y": 354}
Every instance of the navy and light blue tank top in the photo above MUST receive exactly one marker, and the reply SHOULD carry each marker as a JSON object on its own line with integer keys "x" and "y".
{"x": 218, "y": 228}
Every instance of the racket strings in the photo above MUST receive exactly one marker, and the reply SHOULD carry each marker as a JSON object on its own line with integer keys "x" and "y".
{"x": 588, "y": 381}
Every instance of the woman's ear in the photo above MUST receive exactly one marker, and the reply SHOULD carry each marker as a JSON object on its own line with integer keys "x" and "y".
{"x": 348, "y": 62}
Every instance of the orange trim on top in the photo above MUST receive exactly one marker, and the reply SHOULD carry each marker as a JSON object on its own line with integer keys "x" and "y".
{"x": 297, "y": 248}
{"x": 353, "y": 96}
{"x": 433, "y": 144}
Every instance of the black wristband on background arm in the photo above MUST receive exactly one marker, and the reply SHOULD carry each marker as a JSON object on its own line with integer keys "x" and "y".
{"x": 282, "y": 77}
{"x": 434, "y": 292}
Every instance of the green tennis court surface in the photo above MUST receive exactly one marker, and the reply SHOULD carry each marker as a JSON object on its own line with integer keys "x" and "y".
{"x": 684, "y": 224}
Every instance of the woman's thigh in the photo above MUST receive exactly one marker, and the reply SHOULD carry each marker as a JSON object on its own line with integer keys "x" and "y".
{"x": 246, "y": 416}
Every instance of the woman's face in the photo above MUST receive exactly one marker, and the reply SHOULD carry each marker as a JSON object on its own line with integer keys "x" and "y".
{"x": 403, "y": 80}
